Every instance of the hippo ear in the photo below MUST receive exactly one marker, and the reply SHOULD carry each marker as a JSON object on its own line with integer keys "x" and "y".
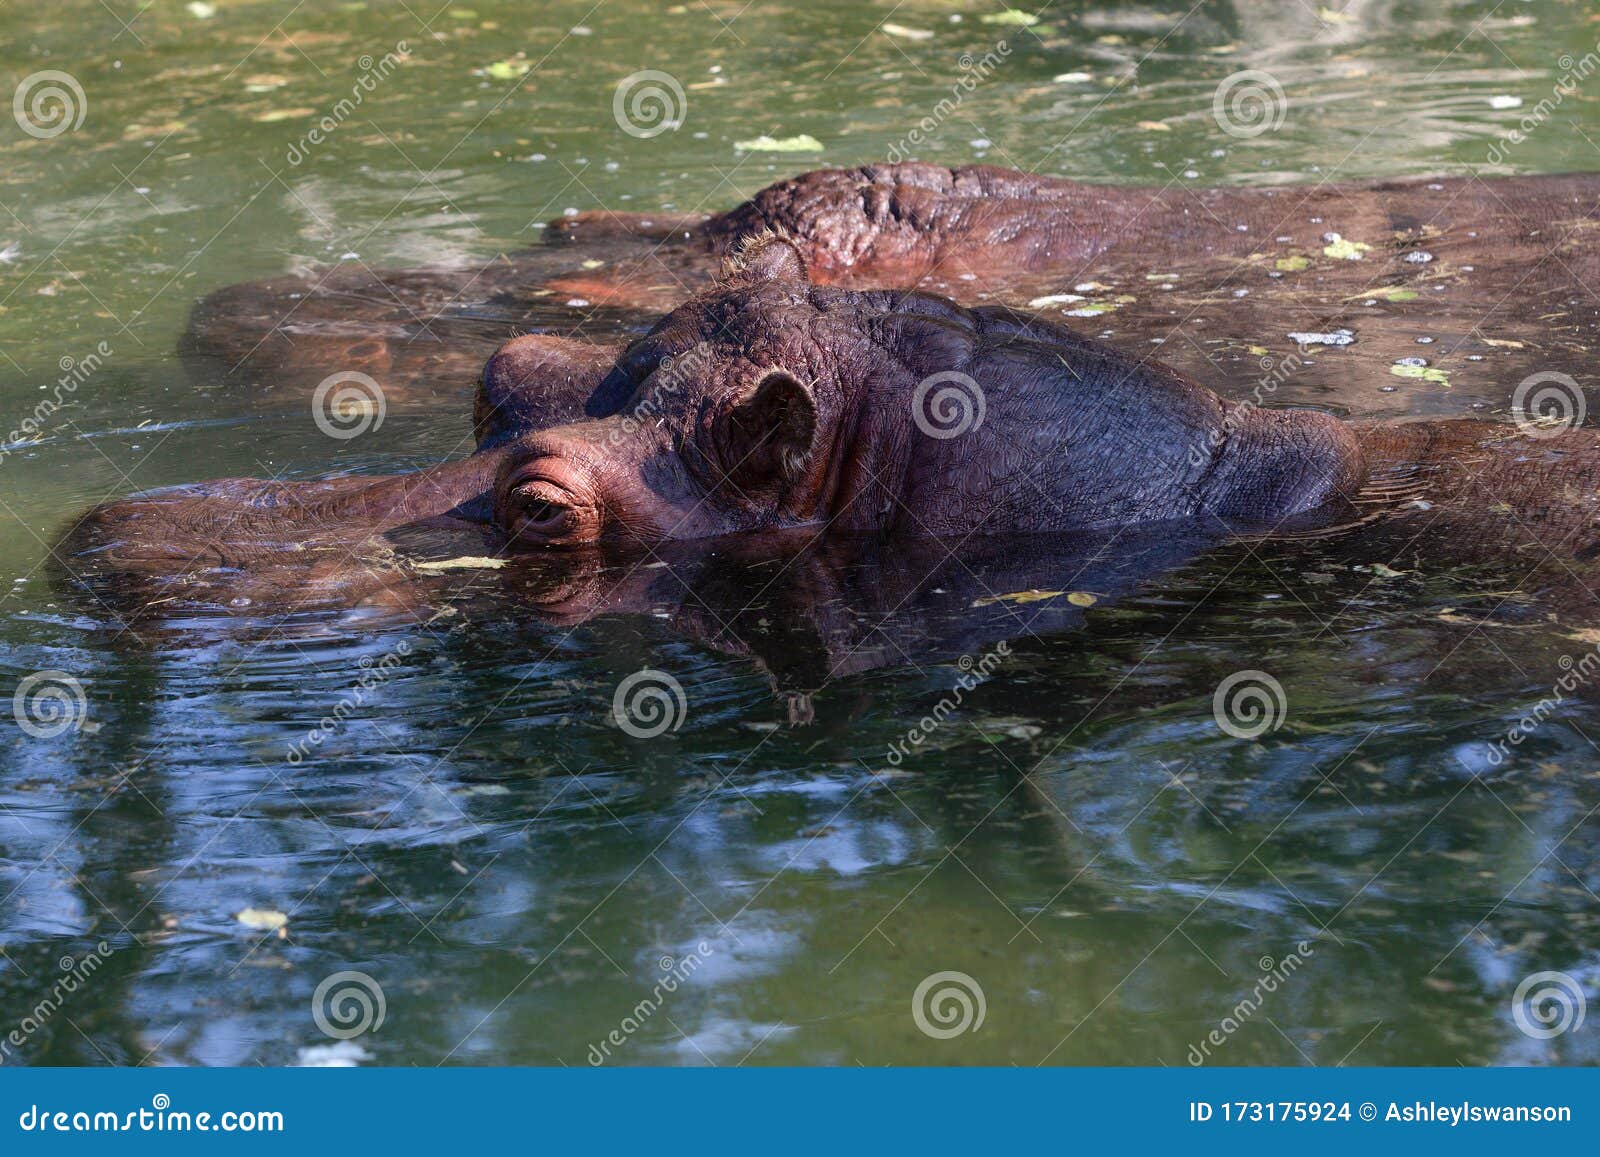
{"x": 766, "y": 438}
{"x": 768, "y": 257}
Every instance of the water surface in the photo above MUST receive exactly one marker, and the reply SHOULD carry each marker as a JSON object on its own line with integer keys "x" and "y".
{"x": 1076, "y": 836}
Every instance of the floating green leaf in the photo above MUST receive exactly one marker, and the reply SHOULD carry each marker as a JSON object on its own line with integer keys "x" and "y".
{"x": 1014, "y": 17}
{"x": 1344, "y": 249}
{"x": 1426, "y": 373}
{"x": 803, "y": 143}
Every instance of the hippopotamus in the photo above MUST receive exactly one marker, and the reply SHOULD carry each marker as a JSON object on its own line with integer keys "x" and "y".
{"x": 768, "y": 403}
{"x": 1489, "y": 273}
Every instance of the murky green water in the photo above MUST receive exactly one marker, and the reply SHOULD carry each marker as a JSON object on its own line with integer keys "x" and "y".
{"x": 519, "y": 876}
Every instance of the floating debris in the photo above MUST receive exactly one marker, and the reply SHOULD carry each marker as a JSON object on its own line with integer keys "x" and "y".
{"x": 508, "y": 69}
{"x": 1013, "y": 17}
{"x": 1295, "y": 264}
{"x": 803, "y": 143}
{"x": 1055, "y": 299}
{"x": 1333, "y": 337}
{"x": 905, "y": 33}
{"x": 262, "y": 919}
{"x": 1336, "y": 246}
{"x": 1426, "y": 374}
{"x": 465, "y": 562}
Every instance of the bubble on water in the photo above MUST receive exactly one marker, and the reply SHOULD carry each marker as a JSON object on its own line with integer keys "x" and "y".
{"x": 1419, "y": 257}
{"x": 1410, "y": 361}
{"x": 1474, "y": 357}
{"x": 1424, "y": 341}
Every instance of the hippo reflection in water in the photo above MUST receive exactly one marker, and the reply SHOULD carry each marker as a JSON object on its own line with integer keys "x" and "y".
{"x": 771, "y": 409}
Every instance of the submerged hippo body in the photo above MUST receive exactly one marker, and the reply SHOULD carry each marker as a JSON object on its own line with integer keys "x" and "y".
{"x": 770, "y": 404}
{"x": 1491, "y": 268}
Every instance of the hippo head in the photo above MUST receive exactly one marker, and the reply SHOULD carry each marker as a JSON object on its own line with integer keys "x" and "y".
{"x": 767, "y": 402}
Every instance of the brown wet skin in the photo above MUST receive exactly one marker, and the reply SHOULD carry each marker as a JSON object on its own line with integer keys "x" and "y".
{"x": 769, "y": 403}
{"x": 1499, "y": 270}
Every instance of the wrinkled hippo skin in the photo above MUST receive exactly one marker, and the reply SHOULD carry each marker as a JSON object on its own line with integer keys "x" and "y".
{"x": 1493, "y": 267}
{"x": 770, "y": 404}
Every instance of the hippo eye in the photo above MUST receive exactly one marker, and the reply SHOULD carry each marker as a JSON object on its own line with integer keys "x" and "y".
{"x": 541, "y": 513}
